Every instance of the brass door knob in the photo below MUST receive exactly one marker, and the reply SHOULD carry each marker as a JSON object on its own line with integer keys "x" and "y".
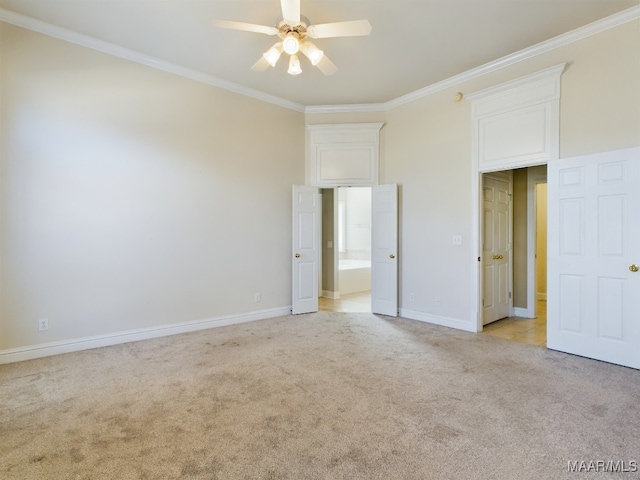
{"x": 297, "y": 255}
{"x": 392, "y": 255}
{"x": 634, "y": 268}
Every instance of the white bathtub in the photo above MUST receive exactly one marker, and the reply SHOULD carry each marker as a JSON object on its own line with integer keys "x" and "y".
{"x": 354, "y": 276}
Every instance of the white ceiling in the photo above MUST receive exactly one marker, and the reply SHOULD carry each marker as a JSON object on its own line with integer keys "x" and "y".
{"x": 413, "y": 43}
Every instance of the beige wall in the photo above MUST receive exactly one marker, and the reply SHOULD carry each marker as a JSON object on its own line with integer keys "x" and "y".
{"x": 328, "y": 235}
{"x": 133, "y": 198}
{"x": 520, "y": 230}
{"x": 125, "y": 191}
{"x": 541, "y": 240}
{"x": 428, "y": 152}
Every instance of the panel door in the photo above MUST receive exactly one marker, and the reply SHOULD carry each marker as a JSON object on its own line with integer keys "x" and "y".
{"x": 384, "y": 250}
{"x": 495, "y": 249}
{"x": 306, "y": 249}
{"x": 593, "y": 295}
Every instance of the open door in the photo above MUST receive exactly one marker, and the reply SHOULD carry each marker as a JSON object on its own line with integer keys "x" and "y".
{"x": 306, "y": 249}
{"x": 593, "y": 241}
{"x": 384, "y": 250}
{"x": 496, "y": 246}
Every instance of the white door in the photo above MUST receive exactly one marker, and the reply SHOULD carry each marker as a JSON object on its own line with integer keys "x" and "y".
{"x": 593, "y": 289}
{"x": 306, "y": 249}
{"x": 496, "y": 194}
{"x": 384, "y": 250}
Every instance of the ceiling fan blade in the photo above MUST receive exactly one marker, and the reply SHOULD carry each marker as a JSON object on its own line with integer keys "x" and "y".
{"x": 261, "y": 65}
{"x": 247, "y": 27}
{"x": 326, "y": 66}
{"x": 353, "y": 28}
{"x": 291, "y": 11}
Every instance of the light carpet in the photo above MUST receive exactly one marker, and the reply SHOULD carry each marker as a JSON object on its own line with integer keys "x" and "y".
{"x": 318, "y": 396}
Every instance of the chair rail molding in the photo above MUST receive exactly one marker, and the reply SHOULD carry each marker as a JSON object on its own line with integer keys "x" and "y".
{"x": 343, "y": 155}
{"x": 517, "y": 123}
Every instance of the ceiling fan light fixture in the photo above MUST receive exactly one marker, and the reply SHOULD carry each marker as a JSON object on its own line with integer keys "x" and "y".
{"x": 294, "y": 65}
{"x": 273, "y": 54}
{"x": 291, "y": 44}
{"x": 313, "y": 53}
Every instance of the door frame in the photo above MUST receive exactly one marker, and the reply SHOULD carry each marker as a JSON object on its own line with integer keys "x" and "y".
{"x": 533, "y": 180}
{"x": 335, "y": 193}
{"x": 476, "y": 239}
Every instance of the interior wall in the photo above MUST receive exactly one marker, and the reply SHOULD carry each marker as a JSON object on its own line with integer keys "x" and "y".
{"x": 520, "y": 244}
{"x": 541, "y": 241}
{"x": 328, "y": 241}
{"x": 357, "y": 202}
{"x": 131, "y": 198}
{"x": 428, "y": 152}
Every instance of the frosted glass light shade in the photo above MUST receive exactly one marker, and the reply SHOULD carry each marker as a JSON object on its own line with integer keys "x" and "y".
{"x": 291, "y": 44}
{"x": 273, "y": 54}
{"x": 294, "y": 66}
{"x": 313, "y": 53}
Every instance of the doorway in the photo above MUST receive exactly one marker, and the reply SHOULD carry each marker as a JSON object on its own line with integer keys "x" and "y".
{"x": 526, "y": 320}
{"x": 346, "y": 250}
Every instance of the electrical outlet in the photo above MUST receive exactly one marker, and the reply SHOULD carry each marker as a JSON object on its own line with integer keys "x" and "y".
{"x": 456, "y": 240}
{"x": 412, "y": 296}
{"x": 257, "y": 297}
{"x": 43, "y": 324}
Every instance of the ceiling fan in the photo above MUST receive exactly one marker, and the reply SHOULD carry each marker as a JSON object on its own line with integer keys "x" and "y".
{"x": 294, "y": 31}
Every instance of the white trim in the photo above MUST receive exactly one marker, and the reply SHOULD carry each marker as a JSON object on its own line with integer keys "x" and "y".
{"x": 361, "y": 108}
{"x": 522, "y": 313}
{"x": 438, "y": 320}
{"x": 525, "y": 81}
{"x": 533, "y": 179}
{"x": 137, "y": 57}
{"x": 339, "y": 149}
{"x": 66, "y": 346}
{"x": 331, "y": 295}
{"x": 594, "y": 28}
{"x": 374, "y": 126}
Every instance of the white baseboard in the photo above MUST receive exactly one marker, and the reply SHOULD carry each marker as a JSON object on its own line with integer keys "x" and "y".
{"x": 66, "y": 346}
{"x": 523, "y": 312}
{"x": 438, "y": 320}
{"x": 330, "y": 294}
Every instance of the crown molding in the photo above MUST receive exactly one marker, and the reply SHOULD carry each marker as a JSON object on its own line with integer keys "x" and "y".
{"x": 354, "y": 108}
{"x": 594, "y": 28}
{"x": 527, "y": 80}
{"x": 29, "y": 23}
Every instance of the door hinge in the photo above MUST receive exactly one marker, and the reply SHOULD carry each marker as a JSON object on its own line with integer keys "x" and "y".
{"x": 509, "y": 294}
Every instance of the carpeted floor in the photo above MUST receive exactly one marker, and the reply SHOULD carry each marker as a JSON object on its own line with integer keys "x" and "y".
{"x": 319, "y": 396}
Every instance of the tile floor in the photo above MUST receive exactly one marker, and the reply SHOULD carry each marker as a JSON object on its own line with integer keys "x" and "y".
{"x": 523, "y": 330}
{"x": 354, "y": 302}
